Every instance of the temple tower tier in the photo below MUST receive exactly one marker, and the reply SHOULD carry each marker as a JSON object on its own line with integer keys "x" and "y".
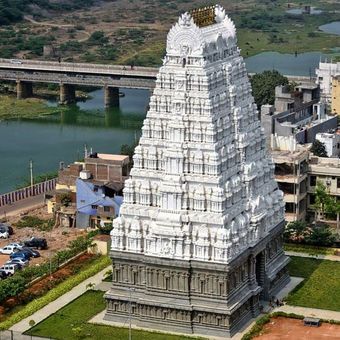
{"x": 198, "y": 243}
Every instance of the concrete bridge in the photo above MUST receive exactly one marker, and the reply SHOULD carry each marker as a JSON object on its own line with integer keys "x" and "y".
{"x": 67, "y": 75}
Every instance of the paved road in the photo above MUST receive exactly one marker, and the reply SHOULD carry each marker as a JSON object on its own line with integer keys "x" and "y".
{"x": 23, "y": 205}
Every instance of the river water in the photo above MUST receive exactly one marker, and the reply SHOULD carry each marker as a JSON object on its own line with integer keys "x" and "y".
{"x": 61, "y": 137}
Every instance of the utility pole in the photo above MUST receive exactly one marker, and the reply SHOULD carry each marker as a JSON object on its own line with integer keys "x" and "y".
{"x": 50, "y": 246}
{"x": 31, "y": 171}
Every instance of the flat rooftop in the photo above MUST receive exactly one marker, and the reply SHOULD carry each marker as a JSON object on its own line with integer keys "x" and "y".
{"x": 111, "y": 157}
{"x": 288, "y": 156}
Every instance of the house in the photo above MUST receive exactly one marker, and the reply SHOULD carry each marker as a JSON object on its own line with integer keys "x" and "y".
{"x": 95, "y": 205}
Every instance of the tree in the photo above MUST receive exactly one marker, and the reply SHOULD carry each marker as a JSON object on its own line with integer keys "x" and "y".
{"x": 128, "y": 150}
{"x": 263, "y": 85}
{"x": 320, "y": 236}
{"x": 295, "y": 232}
{"x": 323, "y": 200}
{"x": 318, "y": 149}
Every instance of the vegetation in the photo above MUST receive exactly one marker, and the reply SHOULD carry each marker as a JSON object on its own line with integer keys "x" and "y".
{"x": 318, "y": 149}
{"x": 263, "y": 85}
{"x": 53, "y": 294}
{"x": 309, "y": 249}
{"x": 70, "y": 323}
{"x": 16, "y": 284}
{"x": 129, "y": 150}
{"x": 321, "y": 288}
{"x": 325, "y": 204}
{"x": 300, "y": 232}
{"x": 34, "y": 222}
{"x": 11, "y": 108}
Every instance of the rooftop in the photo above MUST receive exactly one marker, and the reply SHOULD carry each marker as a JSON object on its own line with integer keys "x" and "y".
{"x": 111, "y": 157}
{"x": 288, "y": 156}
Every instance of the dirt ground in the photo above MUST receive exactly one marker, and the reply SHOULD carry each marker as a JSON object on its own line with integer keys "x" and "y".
{"x": 57, "y": 240}
{"x": 292, "y": 329}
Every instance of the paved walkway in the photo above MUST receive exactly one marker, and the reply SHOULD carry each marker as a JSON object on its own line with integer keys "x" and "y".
{"x": 320, "y": 257}
{"x": 312, "y": 312}
{"x": 62, "y": 301}
{"x": 21, "y": 206}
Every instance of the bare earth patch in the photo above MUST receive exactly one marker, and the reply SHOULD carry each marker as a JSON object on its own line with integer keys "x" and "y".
{"x": 292, "y": 329}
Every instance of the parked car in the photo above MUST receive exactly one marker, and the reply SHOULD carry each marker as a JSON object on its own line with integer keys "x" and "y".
{"x": 19, "y": 261}
{"x": 10, "y": 269}
{"x": 18, "y": 245}
{"x": 7, "y": 228}
{"x": 3, "y": 274}
{"x": 33, "y": 252}
{"x": 4, "y": 234}
{"x": 10, "y": 249}
{"x": 39, "y": 243}
{"x": 20, "y": 254}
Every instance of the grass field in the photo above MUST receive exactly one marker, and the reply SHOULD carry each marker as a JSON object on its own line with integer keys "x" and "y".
{"x": 321, "y": 287}
{"x": 70, "y": 323}
{"x": 11, "y": 108}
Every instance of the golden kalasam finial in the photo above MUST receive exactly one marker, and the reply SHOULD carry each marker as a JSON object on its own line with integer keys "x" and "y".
{"x": 203, "y": 16}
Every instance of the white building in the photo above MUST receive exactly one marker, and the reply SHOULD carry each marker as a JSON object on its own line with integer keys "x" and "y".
{"x": 200, "y": 232}
{"x": 331, "y": 141}
{"x": 325, "y": 73}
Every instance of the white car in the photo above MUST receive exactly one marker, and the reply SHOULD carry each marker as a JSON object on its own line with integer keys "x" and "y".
{"x": 17, "y": 245}
{"x": 4, "y": 235}
{"x": 8, "y": 250}
{"x": 21, "y": 262}
{"x": 10, "y": 269}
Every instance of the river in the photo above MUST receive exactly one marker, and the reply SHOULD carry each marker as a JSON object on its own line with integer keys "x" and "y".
{"x": 61, "y": 137}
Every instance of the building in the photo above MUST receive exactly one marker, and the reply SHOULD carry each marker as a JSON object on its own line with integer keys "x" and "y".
{"x": 336, "y": 95}
{"x": 96, "y": 204}
{"x": 291, "y": 174}
{"x": 326, "y": 170}
{"x": 104, "y": 173}
{"x": 298, "y": 113}
{"x": 331, "y": 141}
{"x": 324, "y": 74}
{"x": 199, "y": 238}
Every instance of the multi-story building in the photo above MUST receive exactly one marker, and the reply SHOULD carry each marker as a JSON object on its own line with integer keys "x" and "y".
{"x": 326, "y": 170}
{"x": 291, "y": 173}
{"x": 199, "y": 236}
{"x": 324, "y": 75}
{"x": 297, "y": 113}
{"x": 331, "y": 140}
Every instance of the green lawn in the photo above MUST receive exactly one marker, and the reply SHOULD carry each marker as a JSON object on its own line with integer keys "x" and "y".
{"x": 70, "y": 323}
{"x": 321, "y": 287}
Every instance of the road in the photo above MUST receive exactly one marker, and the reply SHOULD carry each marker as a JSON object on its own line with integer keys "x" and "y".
{"x": 23, "y": 205}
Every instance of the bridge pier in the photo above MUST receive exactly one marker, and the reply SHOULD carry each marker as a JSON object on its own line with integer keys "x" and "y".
{"x": 24, "y": 89}
{"x": 111, "y": 96}
{"x": 67, "y": 94}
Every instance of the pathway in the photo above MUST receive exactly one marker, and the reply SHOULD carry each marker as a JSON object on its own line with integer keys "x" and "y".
{"x": 311, "y": 312}
{"x": 62, "y": 301}
{"x": 23, "y": 205}
{"x": 319, "y": 257}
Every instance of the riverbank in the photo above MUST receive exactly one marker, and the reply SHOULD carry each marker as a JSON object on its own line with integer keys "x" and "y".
{"x": 29, "y": 108}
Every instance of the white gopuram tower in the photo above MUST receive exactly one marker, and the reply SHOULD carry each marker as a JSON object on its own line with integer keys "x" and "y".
{"x": 199, "y": 240}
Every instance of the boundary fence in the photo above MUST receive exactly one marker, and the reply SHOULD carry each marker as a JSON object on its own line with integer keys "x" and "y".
{"x": 20, "y": 194}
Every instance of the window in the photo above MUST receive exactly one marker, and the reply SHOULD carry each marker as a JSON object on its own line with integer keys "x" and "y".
{"x": 311, "y": 199}
{"x": 82, "y": 201}
{"x": 94, "y": 206}
{"x": 312, "y": 181}
{"x": 338, "y": 182}
{"x": 107, "y": 209}
{"x": 95, "y": 189}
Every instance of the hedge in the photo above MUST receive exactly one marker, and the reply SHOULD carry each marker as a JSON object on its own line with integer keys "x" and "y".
{"x": 55, "y": 293}
{"x": 311, "y": 250}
